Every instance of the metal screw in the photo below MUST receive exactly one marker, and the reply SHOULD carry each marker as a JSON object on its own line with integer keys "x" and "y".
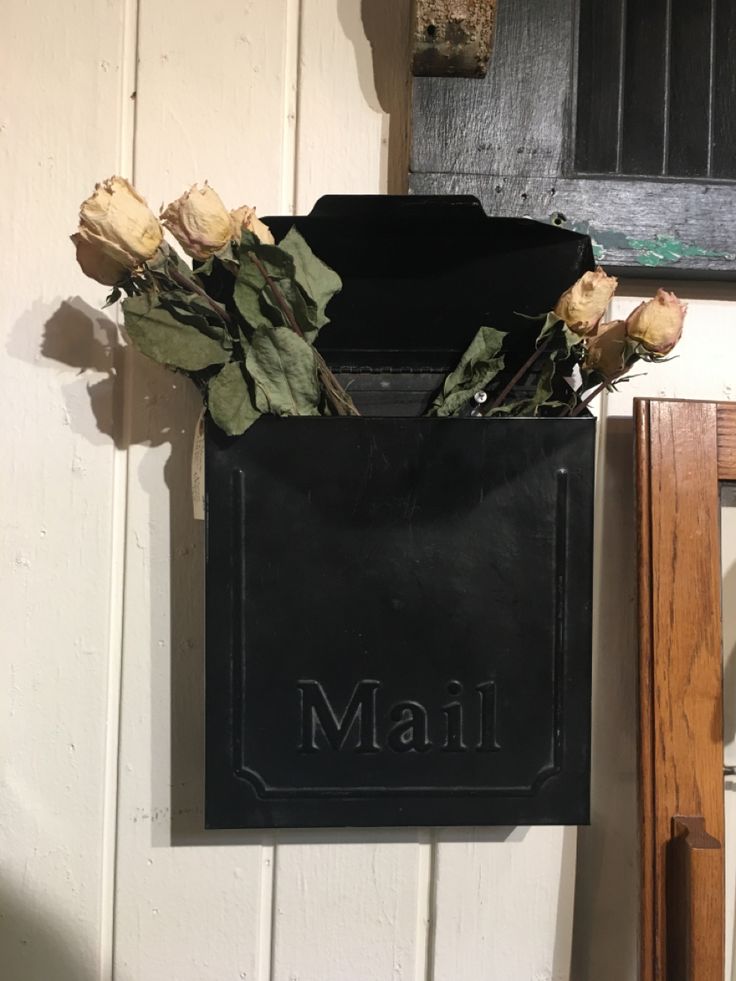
{"x": 479, "y": 398}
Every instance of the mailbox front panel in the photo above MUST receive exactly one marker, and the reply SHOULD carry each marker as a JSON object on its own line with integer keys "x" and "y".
{"x": 399, "y": 622}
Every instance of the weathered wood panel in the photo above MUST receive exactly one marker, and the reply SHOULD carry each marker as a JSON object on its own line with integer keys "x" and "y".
{"x": 515, "y": 120}
{"x": 643, "y": 228}
{"x": 593, "y": 113}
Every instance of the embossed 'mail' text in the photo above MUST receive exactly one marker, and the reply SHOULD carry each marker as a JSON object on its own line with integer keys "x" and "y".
{"x": 468, "y": 722}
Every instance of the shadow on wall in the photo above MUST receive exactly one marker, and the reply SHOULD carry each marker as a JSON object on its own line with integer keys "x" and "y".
{"x": 80, "y": 337}
{"x": 35, "y": 945}
{"x": 605, "y": 923}
{"x": 380, "y": 31}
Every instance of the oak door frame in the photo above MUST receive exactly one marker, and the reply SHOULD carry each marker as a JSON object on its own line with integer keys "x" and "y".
{"x": 683, "y": 451}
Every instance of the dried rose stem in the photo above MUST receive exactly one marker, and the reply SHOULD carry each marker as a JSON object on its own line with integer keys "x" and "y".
{"x": 581, "y": 405}
{"x": 341, "y": 401}
{"x": 500, "y": 399}
{"x": 193, "y": 287}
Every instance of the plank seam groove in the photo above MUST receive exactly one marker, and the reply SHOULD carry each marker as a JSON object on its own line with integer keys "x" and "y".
{"x": 119, "y": 537}
{"x": 431, "y": 906}
{"x": 292, "y": 80}
{"x": 267, "y": 912}
{"x": 298, "y": 110}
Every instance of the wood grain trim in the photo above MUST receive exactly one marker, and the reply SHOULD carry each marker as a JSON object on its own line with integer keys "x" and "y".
{"x": 726, "y": 414}
{"x": 695, "y": 861}
{"x": 681, "y": 746}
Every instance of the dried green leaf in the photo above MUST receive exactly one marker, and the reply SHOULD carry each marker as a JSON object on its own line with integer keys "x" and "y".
{"x": 251, "y": 283}
{"x": 229, "y": 400}
{"x": 317, "y": 282}
{"x": 563, "y": 348}
{"x": 478, "y": 366}
{"x": 517, "y": 408}
{"x": 161, "y": 336}
{"x": 284, "y": 371}
{"x": 548, "y": 327}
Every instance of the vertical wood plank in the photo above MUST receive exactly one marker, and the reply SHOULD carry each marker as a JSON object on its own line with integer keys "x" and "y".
{"x": 645, "y": 74}
{"x": 353, "y": 102}
{"x": 605, "y": 920}
{"x": 690, "y": 84}
{"x": 60, "y": 131}
{"x": 351, "y": 905}
{"x": 190, "y": 904}
{"x": 495, "y": 886}
{"x": 724, "y": 122}
{"x": 599, "y": 79}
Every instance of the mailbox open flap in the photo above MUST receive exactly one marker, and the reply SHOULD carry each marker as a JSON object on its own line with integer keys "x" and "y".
{"x": 422, "y": 274}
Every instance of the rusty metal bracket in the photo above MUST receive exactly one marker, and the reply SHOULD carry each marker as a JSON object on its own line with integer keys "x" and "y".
{"x": 453, "y": 38}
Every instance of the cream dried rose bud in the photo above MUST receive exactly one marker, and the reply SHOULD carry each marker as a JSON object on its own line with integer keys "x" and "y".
{"x": 244, "y": 219}
{"x": 97, "y": 265}
{"x": 116, "y": 227}
{"x": 657, "y": 324}
{"x": 606, "y": 351}
{"x": 199, "y": 222}
{"x": 584, "y": 303}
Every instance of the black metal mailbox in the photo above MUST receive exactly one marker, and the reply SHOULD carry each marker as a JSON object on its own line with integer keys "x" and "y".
{"x": 399, "y": 609}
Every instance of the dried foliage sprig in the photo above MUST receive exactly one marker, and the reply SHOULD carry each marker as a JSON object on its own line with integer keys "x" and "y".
{"x": 241, "y": 323}
{"x": 573, "y": 358}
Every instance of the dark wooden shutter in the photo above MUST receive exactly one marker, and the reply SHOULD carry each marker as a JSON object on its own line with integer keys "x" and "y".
{"x": 612, "y": 117}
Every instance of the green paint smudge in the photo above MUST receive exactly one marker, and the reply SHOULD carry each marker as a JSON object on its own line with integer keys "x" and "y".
{"x": 662, "y": 250}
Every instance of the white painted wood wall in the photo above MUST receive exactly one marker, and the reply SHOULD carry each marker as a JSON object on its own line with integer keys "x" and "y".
{"x": 106, "y": 872}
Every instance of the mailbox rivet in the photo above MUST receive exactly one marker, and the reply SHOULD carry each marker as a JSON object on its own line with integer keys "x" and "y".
{"x": 479, "y": 398}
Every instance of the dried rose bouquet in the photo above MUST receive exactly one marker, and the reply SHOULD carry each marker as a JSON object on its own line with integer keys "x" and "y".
{"x": 241, "y": 322}
{"x": 573, "y": 357}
